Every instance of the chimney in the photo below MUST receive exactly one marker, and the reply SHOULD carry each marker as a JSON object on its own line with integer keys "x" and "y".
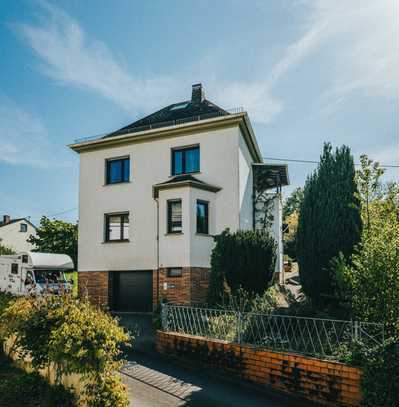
{"x": 198, "y": 94}
{"x": 6, "y": 219}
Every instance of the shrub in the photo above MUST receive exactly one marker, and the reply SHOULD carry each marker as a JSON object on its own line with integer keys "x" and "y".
{"x": 18, "y": 388}
{"x": 74, "y": 336}
{"x": 329, "y": 221}
{"x": 242, "y": 301}
{"x": 380, "y": 384}
{"x": 5, "y": 299}
{"x": 369, "y": 283}
{"x": 225, "y": 325}
{"x": 243, "y": 259}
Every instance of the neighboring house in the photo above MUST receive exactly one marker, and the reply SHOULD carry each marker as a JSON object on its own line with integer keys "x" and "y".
{"x": 15, "y": 232}
{"x": 153, "y": 194}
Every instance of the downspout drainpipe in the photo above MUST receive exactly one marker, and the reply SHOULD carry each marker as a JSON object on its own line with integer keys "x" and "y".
{"x": 157, "y": 201}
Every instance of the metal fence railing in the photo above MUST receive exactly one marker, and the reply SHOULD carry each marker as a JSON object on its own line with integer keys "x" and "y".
{"x": 311, "y": 336}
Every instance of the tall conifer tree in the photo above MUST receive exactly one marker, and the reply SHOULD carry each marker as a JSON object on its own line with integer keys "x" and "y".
{"x": 329, "y": 221}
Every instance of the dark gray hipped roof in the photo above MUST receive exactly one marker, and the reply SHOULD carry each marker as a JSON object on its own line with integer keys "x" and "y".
{"x": 198, "y": 108}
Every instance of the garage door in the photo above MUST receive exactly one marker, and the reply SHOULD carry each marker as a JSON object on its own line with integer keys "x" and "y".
{"x": 133, "y": 291}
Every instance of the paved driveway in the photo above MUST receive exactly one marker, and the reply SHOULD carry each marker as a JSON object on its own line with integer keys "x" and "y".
{"x": 155, "y": 382}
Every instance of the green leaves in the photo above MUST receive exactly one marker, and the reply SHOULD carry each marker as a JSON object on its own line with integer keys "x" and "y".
{"x": 4, "y": 250}
{"x": 293, "y": 202}
{"x": 72, "y": 335}
{"x": 329, "y": 221}
{"x": 56, "y": 236}
{"x": 243, "y": 259}
{"x": 374, "y": 273}
{"x": 369, "y": 282}
{"x": 380, "y": 384}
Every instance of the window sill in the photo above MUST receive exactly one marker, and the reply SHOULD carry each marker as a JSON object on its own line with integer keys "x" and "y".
{"x": 185, "y": 173}
{"x": 116, "y": 241}
{"x": 117, "y": 183}
{"x": 203, "y": 234}
{"x": 174, "y": 234}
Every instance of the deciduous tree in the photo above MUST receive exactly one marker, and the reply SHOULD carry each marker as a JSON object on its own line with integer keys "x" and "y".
{"x": 56, "y": 236}
{"x": 370, "y": 281}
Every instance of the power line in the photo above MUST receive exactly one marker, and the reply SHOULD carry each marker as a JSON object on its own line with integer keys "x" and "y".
{"x": 63, "y": 212}
{"x": 317, "y": 162}
{"x": 54, "y": 214}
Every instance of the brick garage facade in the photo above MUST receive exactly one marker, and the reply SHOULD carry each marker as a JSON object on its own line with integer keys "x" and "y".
{"x": 97, "y": 285}
{"x": 324, "y": 382}
{"x": 190, "y": 288}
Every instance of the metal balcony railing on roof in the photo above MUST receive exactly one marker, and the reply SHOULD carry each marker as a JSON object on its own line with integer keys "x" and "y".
{"x": 158, "y": 125}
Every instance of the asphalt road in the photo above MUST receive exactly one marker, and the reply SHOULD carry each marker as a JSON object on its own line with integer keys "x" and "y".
{"x": 155, "y": 382}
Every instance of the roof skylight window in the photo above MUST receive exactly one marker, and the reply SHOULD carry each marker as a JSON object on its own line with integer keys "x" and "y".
{"x": 179, "y": 106}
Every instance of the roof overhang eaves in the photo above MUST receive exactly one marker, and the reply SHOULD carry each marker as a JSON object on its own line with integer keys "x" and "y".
{"x": 171, "y": 131}
{"x": 250, "y": 139}
{"x": 181, "y": 184}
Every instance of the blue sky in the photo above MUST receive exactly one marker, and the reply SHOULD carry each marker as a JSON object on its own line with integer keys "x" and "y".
{"x": 306, "y": 72}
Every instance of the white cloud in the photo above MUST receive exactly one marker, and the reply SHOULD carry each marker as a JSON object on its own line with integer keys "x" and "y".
{"x": 69, "y": 56}
{"x": 356, "y": 37}
{"x": 23, "y": 138}
{"x": 358, "y": 40}
{"x": 255, "y": 97}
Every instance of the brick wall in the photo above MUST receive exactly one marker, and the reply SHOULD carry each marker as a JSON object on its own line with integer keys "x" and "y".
{"x": 324, "y": 382}
{"x": 96, "y": 285}
{"x": 199, "y": 284}
{"x": 190, "y": 288}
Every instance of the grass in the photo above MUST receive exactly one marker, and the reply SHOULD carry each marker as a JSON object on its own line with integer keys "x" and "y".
{"x": 74, "y": 276}
{"x": 18, "y": 388}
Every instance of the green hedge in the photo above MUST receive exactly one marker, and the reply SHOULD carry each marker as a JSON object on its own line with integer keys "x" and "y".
{"x": 73, "y": 336}
{"x": 244, "y": 259}
{"x": 380, "y": 380}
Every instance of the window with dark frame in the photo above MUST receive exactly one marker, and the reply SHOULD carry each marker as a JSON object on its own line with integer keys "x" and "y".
{"x": 174, "y": 272}
{"x": 117, "y": 227}
{"x": 202, "y": 217}
{"x": 23, "y": 227}
{"x": 25, "y": 258}
{"x": 117, "y": 170}
{"x": 14, "y": 268}
{"x": 175, "y": 216}
{"x": 185, "y": 160}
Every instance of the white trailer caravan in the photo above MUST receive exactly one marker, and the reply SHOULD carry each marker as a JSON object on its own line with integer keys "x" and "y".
{"x": 35, "y": 273}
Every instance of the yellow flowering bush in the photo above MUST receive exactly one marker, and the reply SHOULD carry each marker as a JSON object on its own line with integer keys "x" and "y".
{"x": 75, "y": 337}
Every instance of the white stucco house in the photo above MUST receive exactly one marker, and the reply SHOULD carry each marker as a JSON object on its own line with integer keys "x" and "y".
{"x": 153, "y": 194}
{"x": 15, "y": 232}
